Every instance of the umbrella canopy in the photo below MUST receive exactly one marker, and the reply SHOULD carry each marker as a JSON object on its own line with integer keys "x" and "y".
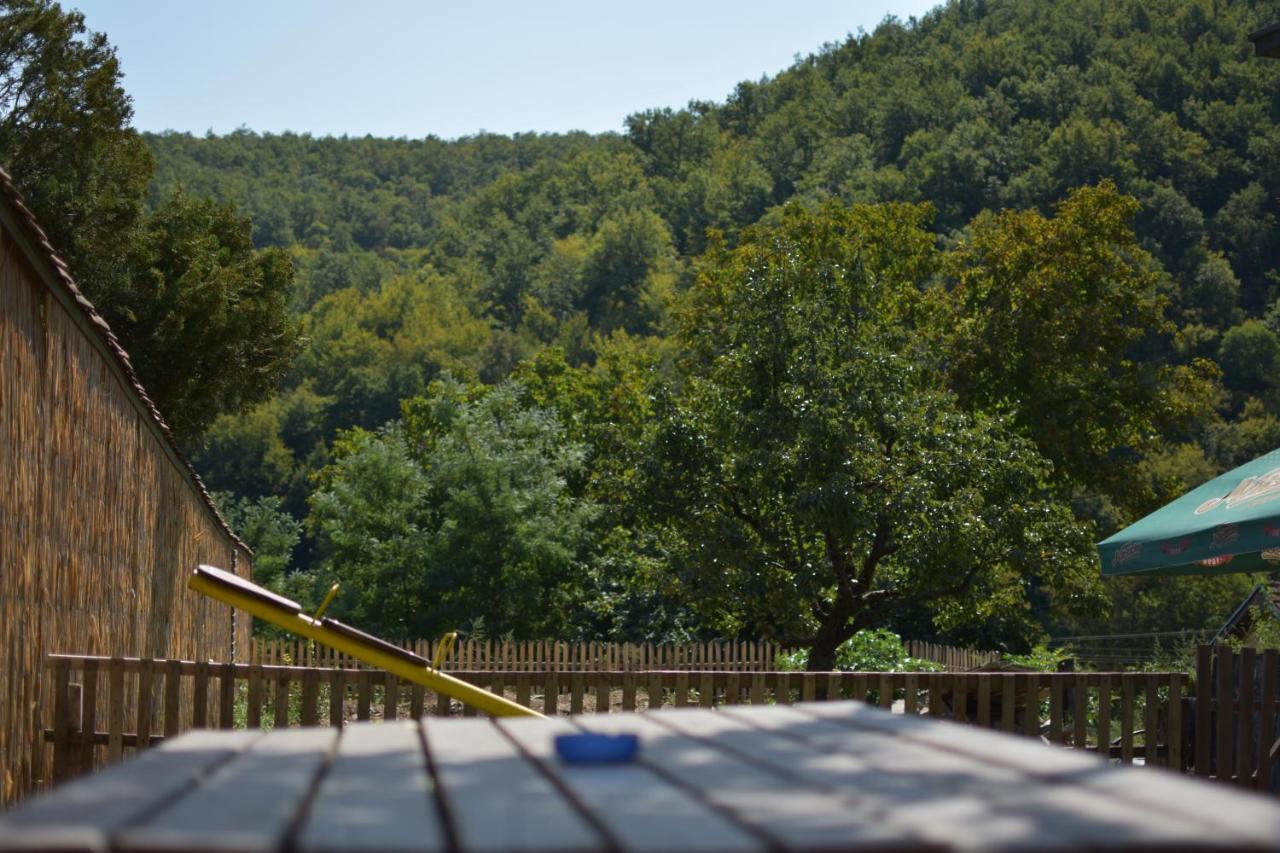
{"x": 1230, "y": 524}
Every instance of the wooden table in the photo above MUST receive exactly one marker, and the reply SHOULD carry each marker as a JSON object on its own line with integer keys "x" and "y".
{"x": 825, "y": 775}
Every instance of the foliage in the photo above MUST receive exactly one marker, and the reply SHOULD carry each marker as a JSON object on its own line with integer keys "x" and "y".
{"x": 874, "y": 650}
{"x": 212, "y": 310}
{"x": 267, "y": 529}
{"x": 1069, "y": 338}
{"x": 1040, "y": 658}
{"x": 1264, "y": 630}
{"x": 1044, "y": 319}
{"x": 202, "y": 314}
{"x": 65, "y": 138}
{"x": 821, "y": 475}
{"x": 462, "y": 511}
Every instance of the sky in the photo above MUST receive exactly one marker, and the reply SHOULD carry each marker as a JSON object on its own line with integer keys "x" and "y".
{"x": 413, "y": 68}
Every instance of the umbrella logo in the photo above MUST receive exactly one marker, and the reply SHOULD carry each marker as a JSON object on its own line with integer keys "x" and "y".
{"x": 1127, "y": 553}
{"x": 1225, "y": 535}
{"x": 1271, "y": 555}
{"x": 1214, "y": 562}
{"x": 1247, "y": 491}
{"x": 1175, "y": 548}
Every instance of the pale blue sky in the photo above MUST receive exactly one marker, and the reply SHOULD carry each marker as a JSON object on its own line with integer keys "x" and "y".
{"x": 401, "y": 68}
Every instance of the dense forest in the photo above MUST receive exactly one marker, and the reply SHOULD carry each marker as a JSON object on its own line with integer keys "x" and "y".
{"x": 885, "y": 340}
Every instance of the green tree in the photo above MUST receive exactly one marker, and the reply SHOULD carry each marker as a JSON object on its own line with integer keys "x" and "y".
{"x": 1044, "y": 320}
{"x": 65, "y": 138}
{"x": 1250, "y": 355}
{"x": 213, "y": 313}
{"x": 822, "y": 477}
{"x": 463, "y": 513}
{"x": 265, "y": 527}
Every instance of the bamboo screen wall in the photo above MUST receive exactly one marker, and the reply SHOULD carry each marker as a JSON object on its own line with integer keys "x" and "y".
{"x": 100, "y": 517}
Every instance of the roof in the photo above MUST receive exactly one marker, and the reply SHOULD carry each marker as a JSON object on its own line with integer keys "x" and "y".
{"x": 57, "y": 271}
{"x": 1266, "y": 41}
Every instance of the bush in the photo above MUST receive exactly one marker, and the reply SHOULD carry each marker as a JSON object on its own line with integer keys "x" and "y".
{"x": 878, "y": 650}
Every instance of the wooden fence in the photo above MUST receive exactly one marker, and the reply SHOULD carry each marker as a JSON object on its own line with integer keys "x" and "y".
{"x": 544, "y": 655}
{"x": 1235, "y": 716}
{"x": 1134, "y": 712}
{"x": 952, "y": 658}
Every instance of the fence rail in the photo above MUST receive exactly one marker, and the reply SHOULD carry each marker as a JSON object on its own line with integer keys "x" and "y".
{"x": 544, "y": 655}
{"x": 1125, "y": 716}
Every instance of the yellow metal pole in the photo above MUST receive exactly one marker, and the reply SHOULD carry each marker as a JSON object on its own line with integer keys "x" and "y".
{"x": 313, "y": 629}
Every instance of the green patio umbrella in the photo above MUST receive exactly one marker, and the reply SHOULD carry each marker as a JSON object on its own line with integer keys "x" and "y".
{"x": 1230, "y": 524}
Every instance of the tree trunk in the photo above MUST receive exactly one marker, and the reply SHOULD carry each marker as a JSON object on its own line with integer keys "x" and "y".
{"x": 822, "y": 657}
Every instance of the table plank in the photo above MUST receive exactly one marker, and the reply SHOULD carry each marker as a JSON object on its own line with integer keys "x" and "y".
{"x": 88, "y": 812}
{"x": 248, "y": 803}
{"x": 640, "y": 809}
{"x": 377, "y": 794}
{"x": 784, "y": 814}
{"x": 955, "y": 800}
{"x": 1021, "y": 754}
{"x": 495, "y": 797}
{"x": 1150, "y": 801}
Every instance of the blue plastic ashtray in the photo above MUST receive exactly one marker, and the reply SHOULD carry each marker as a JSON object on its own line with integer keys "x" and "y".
{"x": 590, "y": 748}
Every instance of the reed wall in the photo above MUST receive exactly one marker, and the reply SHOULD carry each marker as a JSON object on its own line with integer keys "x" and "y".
{"x": 100, "y": 518}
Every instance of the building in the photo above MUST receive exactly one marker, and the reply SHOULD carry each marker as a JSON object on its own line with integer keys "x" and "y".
{"x": 101, "y": 517}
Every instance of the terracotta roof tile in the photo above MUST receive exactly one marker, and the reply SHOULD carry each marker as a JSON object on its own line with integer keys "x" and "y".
{"x": 13, "y": 198}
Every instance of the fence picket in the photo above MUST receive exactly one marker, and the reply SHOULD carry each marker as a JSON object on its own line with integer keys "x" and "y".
{"x": 1244, "y": 740}
{"x": 1104, "y": 717}
{"x": 227, "y": 696}
{"x": 1267, "y": 719}
{"x": 88, "y": 716}
{"x": 309, "y": 714}
{"x": 1223, "y": 665}
{"x": 1204, "y": 679}
{"x": 115, "y": 710}
{"x": 280, "y": 700}
{"x": 200, "y": 697}
{"x": 364, "y": 694}
{"x": 337, "y": 697}
{"x": 1126, "y": 718}
{"x": 172, "y": 695}
{"x": 390, "y": 697}
{"x": 61, "y": 719}
{"x": 1151, "y": 724}
{"x": 144, "y": 704}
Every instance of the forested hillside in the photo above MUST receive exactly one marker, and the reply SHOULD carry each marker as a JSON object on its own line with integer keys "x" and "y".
{"x": 520, "y": 310}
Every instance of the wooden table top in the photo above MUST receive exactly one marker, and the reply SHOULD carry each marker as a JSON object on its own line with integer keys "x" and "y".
{"x": 835, "y": 775}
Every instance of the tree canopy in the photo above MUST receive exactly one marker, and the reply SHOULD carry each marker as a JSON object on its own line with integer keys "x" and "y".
{"x": 1004, "y": 277}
